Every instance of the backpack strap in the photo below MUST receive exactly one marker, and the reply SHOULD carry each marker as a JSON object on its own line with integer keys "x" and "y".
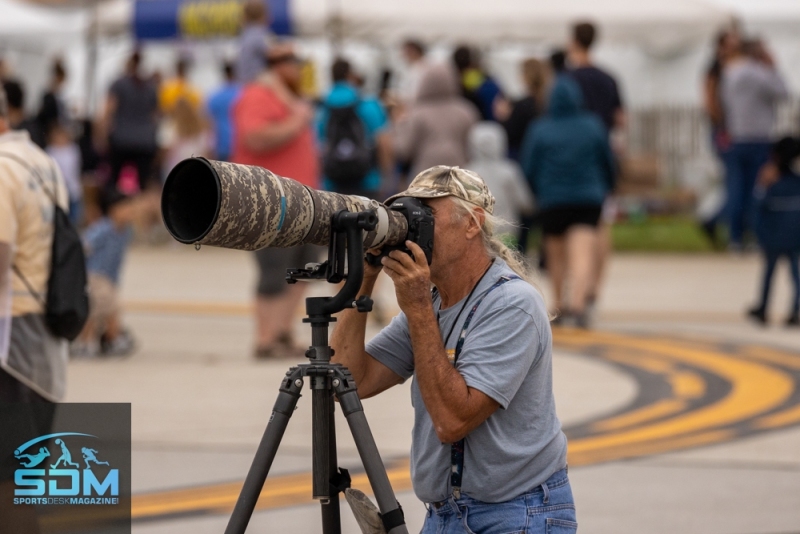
{"x": 457, "y": 448}
{"x": 51, "y": 194}
{"x": 36, "y": 295}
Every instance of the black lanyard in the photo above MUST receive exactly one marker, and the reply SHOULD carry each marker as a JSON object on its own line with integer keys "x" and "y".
{"x": 457, "y": 448}
{"x": 463, "y": 306}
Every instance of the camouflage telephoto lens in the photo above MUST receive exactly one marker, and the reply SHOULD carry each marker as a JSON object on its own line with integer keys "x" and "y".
{"x": 248, "y": 208}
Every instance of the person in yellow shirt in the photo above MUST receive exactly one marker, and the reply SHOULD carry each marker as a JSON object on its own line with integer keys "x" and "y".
{"x": 33, "y": 362}
{"x": 178, "y": 88}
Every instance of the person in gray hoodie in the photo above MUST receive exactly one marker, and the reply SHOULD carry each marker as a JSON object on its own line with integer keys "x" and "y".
{"x": 488, "y": 146}
{"x": 751, "y": 89}
{"x": 436, "y": 128}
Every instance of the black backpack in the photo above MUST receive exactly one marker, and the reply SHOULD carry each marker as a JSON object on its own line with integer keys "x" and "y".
{"x": 348, "y": 156}
{"x": 67, "y": 303}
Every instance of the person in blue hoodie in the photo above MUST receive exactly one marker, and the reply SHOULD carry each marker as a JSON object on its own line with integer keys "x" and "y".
{"x": 778, "y": 223}
{"x": 567, "y": 160}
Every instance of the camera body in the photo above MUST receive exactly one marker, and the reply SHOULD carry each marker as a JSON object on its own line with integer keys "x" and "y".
{"x": 420, "y": 228}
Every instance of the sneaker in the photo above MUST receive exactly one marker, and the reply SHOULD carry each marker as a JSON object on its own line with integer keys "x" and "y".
{"x": 285, "y": 339}
{"x": 283, "y": 348}
{"x": 264, "y": 353}
{"x": 122, "y": 345}
{"x": 82, "y": 349}
{"x": 710, "y": 229}
{"x": 793, "y": 320}
{"x": 582, "y": 320}
{"x": 591, "y": 307}
{"x": 759, "y": 315}
{"x": 278, "y": 352}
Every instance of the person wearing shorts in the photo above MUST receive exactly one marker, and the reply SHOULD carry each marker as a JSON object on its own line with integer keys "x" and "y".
{"x": 272, "y": 127}
{"x": 277, "y": 300}
{"x": 567, "y": 159}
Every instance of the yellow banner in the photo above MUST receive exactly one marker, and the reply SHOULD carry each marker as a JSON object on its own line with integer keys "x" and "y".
{"x": 205, "y": 19}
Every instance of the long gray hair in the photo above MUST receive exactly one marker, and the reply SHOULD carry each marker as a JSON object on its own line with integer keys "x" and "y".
{"x": 495, "y": 248}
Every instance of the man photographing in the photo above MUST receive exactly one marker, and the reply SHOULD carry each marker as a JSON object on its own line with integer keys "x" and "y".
{"x": 487, "y": 453}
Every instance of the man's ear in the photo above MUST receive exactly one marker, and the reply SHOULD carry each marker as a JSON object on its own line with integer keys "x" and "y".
{"x": 475, "y": 223}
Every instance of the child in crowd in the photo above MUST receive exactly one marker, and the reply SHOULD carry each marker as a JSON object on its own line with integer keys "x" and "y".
{"x": 67, "y": 155}
{"x": 184, "y": 135}
{"x": 106, "y": 241}
{"x": 778, "y": 222}
{"x": 488, "y": 145}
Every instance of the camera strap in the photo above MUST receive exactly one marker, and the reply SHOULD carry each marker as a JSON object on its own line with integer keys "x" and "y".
{"x": 457, "y": 448}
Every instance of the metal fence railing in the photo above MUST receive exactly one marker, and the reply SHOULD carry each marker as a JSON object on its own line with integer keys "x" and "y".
{"x": 679, "y": 136}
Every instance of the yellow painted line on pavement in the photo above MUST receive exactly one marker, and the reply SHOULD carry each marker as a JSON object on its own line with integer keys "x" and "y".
{"x": 637, "y": 359}
{"x": 662, "y": 426}
{"x": 278, "y": 491}
{"x": 755, "y": 389}
{"x": 779, "y": 419}
{"x": 773, "y": 356}
{"x": 593, "y": 456}
{"x": 657, "y": 410}
{"x": 687, "y": 385}
{"x": 189, "y": 307}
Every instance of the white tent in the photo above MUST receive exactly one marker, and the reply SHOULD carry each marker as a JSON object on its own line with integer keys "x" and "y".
{"x": 658, "y": 49}
{"x": 663, "y": 28}
{"x": 33, "y": 24}
{"x": 31, "y": 36}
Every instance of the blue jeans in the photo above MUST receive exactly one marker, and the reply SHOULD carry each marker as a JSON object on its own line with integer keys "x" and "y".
{"x": 742, "y": 163}
{"x": 547, "y": 509}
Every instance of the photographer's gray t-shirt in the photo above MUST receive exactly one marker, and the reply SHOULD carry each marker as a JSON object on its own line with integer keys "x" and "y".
{"x": 507, "y": 355}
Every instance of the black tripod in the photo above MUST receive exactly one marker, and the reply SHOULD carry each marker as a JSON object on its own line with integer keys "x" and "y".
{"x": 327, "y": 379}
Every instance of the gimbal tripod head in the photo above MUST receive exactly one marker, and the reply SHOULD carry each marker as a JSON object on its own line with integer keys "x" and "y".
{"x": 345, "y": 262}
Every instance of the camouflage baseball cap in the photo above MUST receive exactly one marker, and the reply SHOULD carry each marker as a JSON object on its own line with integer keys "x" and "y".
{"x": 444, "y": 181}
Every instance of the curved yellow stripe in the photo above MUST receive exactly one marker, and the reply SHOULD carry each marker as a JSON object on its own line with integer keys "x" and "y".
{"x": 755, "y": 389}
{"x": 637, "y": 359}
{"x": 779, "y": 419}
{"x": 278, "y": 491}
{"x": 687, "y": 385}
{"x": 773, "y": 356}
{"x": 656, "y": 410}
{"x": 652, "y": 447}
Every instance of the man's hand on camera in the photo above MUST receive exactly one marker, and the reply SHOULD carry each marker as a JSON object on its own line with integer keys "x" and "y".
{"x": 370, "y": 270}
{"x": 411, "y": 277}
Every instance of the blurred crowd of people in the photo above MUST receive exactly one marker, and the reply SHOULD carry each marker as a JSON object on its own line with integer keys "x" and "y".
{"x": 552, "y": 145}
{"x": 762, "y": 205}
{"x": 551, "y": 157}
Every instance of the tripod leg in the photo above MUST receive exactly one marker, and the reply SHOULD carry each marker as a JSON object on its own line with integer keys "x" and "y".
{"x": 390, "y": 509}
{"x": 325, "y": 464}
{"x": 253, "y": 484}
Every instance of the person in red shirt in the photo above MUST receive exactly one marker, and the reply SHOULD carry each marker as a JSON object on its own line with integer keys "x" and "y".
{"x": 272, "y": 129}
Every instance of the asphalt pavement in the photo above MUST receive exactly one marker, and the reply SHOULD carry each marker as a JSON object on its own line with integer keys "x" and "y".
{"x": 682, "y": 416}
